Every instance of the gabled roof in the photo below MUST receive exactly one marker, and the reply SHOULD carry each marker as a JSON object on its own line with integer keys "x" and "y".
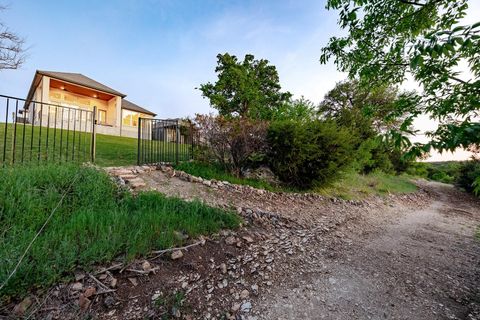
{"x": 80, "y": 79}
{"x": 133, "y": 107}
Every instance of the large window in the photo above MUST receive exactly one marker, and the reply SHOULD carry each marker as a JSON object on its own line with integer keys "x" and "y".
{"x": 130, "y": 118}
{"x": 102, "y": 116}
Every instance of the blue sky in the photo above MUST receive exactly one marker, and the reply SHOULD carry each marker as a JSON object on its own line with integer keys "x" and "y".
{"x": 157, "y": 52}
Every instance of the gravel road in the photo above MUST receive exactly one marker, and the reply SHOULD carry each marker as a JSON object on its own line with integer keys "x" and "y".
{"x": 400, "y": 264}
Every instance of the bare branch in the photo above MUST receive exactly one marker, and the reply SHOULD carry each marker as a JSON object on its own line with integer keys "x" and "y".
{"x": 12, "y": 51}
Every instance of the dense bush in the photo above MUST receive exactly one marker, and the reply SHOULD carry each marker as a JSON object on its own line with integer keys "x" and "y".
{"x": 469, "y": 175}
{"x": 233, "y": 143}
{"x": 308, "y": 154}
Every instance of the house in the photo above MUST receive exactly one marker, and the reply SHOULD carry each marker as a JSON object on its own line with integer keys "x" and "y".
{"x": 114, "y": 114}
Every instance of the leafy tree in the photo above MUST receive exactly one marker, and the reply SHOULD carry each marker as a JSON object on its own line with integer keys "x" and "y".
{"x": 390, "y": 40}
{"x": 248, "y": 88}
{"x": 353, "y": 105}
{"x": 11, "y": 48}
{"x": 369, "y": 113}
{"x": 300, "y": 110}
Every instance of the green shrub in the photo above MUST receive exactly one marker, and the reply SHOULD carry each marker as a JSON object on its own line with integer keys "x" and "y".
{"x": 310, "y": 153}
{"x": 418, "y": 169}
{"x": 469, "y": 175}
{"x": 446, "y": 172}
{"x": 442, "y": 176}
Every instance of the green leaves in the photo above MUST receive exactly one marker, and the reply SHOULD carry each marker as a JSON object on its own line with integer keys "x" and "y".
{"x": 248, "y": 88}
{"x": 389, "y": 43}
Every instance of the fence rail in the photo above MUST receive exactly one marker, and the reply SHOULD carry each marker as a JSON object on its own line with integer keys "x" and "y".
{"x": 164, "y": 141}
{"x": 34, "y": 131}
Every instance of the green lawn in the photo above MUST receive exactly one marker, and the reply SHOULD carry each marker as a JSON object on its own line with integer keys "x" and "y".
{"x": 95, "y": 223}
{"x": 40, "y": 144}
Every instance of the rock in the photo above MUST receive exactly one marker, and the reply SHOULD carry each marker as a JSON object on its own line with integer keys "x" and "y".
{"x": 246, "y": 307}
{"x": 261, "y": 173}
{"x": 255, "y": 288}
{"x": 83, "y": 302}
{"x": 176, "y": 313}
{"x": 230, "y": 240}
{"x": 90, "y": 291}
{"x": 156, "y": 296}
{"x": 77, "y": 286}
{"x": 177, "y": 254}
{"x": 109, "y": 301}
{"x": 133, "y": 281}
{"x": 223, "y": 268}
{"x": 236, "y": 307}
{"x": 146, "y": 266}
{"x": 136, "y": 183}
{"x": 113, "y": 283}
{"x": 22, "y": 307}
{"x": 248, "y": 239}
{"x": 244, "y": 294}
{"x": 79, "y": 276}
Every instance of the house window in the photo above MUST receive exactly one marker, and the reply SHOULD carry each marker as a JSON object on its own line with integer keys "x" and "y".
{"x": 102, "y": 116}
{"x": 130, "y": 118}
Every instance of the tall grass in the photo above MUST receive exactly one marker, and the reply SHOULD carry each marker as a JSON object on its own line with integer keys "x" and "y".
{"x": 352, "y": 185}
{"x": 95, "y": 223}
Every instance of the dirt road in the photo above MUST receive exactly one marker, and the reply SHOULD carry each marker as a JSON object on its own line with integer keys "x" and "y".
{"x": 403, "y": 264}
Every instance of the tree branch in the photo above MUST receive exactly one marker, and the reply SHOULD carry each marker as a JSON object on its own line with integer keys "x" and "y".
{"x": 413, "y": 3}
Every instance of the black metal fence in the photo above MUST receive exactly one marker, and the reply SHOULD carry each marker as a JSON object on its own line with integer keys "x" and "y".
{"x": 32, "y": 131}
{"x": 165, "y": 141}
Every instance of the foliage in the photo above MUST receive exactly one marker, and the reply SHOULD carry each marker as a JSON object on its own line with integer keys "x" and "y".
{"x": 95, "y": 223}
{"x": 307, "y": 154}
{"x": 446, "y": 172}
{"x": 248, "y": 88}
{"x": 390, "y": 40}
{"x": 215, "y": 171}
{"x": 298, "y": 110}
{"x": 234, "y": 142}
{"x": 468, "y": 177}
{"x": 12, "y": 51}
{"x": 369, "y": 110}
{"x": 369, "y": 113}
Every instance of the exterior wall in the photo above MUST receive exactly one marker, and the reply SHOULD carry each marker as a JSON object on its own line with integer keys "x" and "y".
{"x": 114, "y": 114}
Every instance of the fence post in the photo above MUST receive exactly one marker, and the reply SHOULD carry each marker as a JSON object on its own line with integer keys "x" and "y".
{"x": 94, "y": 140}
{"x": 138, "y": 140}
{"x": 176, "y": 142}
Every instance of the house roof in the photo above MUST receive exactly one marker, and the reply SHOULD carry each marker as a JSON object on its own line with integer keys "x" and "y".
{"x": 133, "y": 107}
{"x": 80, "y": 79}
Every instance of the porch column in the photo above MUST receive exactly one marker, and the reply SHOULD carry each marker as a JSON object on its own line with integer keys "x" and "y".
{"x": 45, "y": 89}
{"x": 118, "y": 106}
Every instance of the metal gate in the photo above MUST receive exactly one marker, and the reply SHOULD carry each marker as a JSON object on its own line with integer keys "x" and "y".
{"x": 165, "y": 141}
{"x": 34, "y": 131}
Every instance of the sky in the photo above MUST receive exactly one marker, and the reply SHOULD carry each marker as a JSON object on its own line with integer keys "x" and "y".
{"x": 158, "y": 51}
